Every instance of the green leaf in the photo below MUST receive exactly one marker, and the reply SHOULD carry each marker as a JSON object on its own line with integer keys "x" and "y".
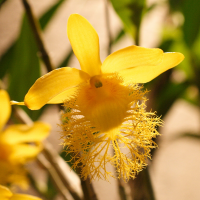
{"x": 191, "y": 27}
{"x": 48, "y": 15}
{"x": 176, "y": 5}
{"x": 24, "y": 65}
{"x": 173, "y": 42}
{"x": 168, "y": 95}
{"x": 130, "y": 12}
{"x": 1, "y": 2}
{"x": 6, "y": 61}
{"x": 120, "y": 34}
{"x": 22, "y": 62}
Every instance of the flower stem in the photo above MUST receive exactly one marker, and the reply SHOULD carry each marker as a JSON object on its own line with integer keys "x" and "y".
{"x": 141, "y": 187}
{"x": 87, "y": 186}
{"x": 137, "y": 37}
{"x": 91, "y": 195}
{"x": 148, "y": 184}
{"x": 37, "y": 33}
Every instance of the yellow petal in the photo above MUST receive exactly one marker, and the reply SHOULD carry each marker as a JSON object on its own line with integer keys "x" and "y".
{"x": 13, "y": 174}
{"x": 131, "y": 57}
{"x": 22, "y": 133}
{"x": 143, "y": 74}
{"x": 52, "y": 84}
{"x": 24, "y": 152}
{"x": 5, "y": 193}
{"x": 5, "y": 108}
{"x": 24, "y": 197}
{"x": 60, "y": 98}
{"x": 85, "y": 43}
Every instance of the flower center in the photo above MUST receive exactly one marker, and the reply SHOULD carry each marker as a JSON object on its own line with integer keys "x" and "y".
{"x": 95, "y": 81}
{"x": 104, "y": 102}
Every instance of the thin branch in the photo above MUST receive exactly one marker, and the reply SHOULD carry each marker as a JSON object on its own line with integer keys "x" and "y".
{"x": 56, "y": 179}
{"x": 54, "y": 163}
{"x": 37, "y": 33}
{"x": 108, "y": 26}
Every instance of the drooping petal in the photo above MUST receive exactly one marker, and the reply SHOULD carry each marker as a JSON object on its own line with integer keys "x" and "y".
{"x": 132, "y": 56}
{"x": 52, "y": 84}
{"x": 5, "y": 108}
{"x": 145, "y": 73}
{"x": 24, "y": 197}
{"x": 5, "y": 193}
{"x": 20, "y": 133}
{"x": 85, "y": 43}
{"x": 24, "y": 152}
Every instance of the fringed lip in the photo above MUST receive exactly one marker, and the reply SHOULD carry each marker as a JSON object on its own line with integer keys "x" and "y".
{"x": 95, "y": 122}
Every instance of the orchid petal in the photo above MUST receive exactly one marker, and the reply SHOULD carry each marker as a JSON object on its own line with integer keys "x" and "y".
{"x": 132, "y": 56}
{"x": 145, "y": 73}
{"x": 5, "y": 108}
{"x": 85, "y": 43}
{"x": 24, "y": 197}
{"x": 5, "y": 193}
{"x": 24, "y": 152}
{"x": 22, "y": 133}
{"x": 52, "y": 84}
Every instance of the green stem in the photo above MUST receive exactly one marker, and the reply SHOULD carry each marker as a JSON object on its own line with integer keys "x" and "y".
{"x": 137, "y": 36}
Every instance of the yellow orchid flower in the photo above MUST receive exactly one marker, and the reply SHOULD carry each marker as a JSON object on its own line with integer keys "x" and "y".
{"x": 6, "y": 194}
{"x": 104, "y": 105}
{"x": 18, "y": 144}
